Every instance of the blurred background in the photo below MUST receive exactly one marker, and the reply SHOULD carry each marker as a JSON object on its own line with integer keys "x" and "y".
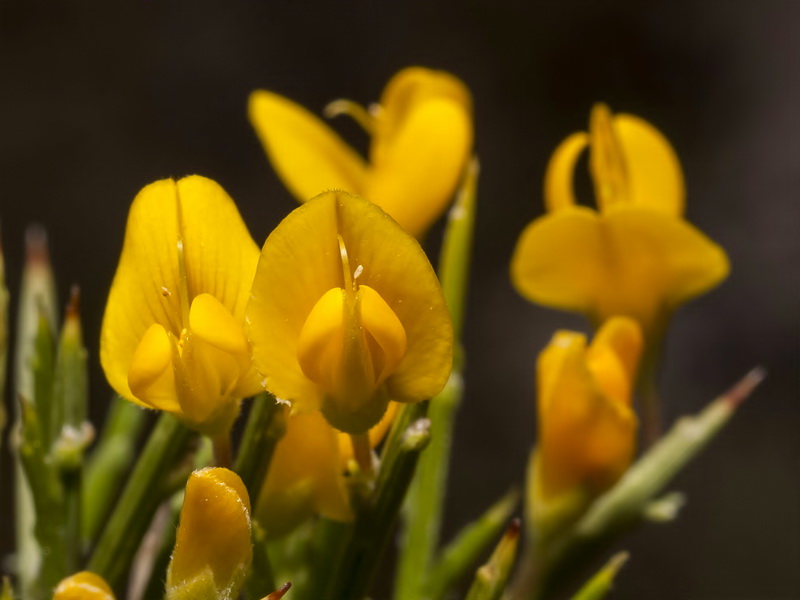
{"x": 99, "y": 99}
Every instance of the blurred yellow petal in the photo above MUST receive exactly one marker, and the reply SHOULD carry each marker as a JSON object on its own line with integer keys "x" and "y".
{"x": 655, "y": 177}
{"x": 213, "y": 534}
{"x": 558, "y": 186}
{"x": 628, "y": 261}
{"x": 83, "y": 586}
{"x": 184, "y": 241}
{"x": 607, "y": 161}
{"x": 419, "y": 169}
{"x": 307, "y": 256}
{"x": 308, "y": 156}
{"x": 558, "y": 260}
{"x": 305, "y": 477}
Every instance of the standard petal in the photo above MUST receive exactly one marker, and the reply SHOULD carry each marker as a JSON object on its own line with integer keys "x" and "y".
{"x": 83, "y": 586}
{"x": 299, "y": 263}
{"x": 307, "y": 155}
{"x": 655, "y": 177}
{"x": 219, "y": 252}
{"x": 414, "y": 176}
{"x": 558, "y": 188}
{"x": 146, "y": 286}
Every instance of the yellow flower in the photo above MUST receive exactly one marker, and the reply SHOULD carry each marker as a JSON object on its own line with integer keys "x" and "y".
{"x": 421, "y": 140}
{"x": 346, "y": 313}
{"x": 172, "y": 336}
{"x": 637, "y": 256}
{"x": 306, "y": 474}
{"x": 587, "y": 428}
{"x": 83, "y": 586}
{"x": 213, "y": 551}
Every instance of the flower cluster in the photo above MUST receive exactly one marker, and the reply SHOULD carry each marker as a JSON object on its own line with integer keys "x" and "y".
{"x": 340, "y": 329}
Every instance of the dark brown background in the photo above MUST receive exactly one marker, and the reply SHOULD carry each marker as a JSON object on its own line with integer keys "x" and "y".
{"x": 98, "y": 99}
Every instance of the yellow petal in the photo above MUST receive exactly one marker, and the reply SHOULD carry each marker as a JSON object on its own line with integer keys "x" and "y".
{"x": 558, "y": 188}
{"x": 385, "y": 329}
{"x": 629, "y": 261}
{"x": 304, "y": 478}
{"x": 606, "y": 161}
{"x": 301, "y": 262}
{"x": 655, "y": 177}
{"x": 209, "y": 319}
{"x": 407, "y": 90}
{"x": 83, "y": 586}
{"x": 422, "y": 140}
{"x": 219, "y": 252}
{"x": 558, "y": 260}
{"x": 307, "y": 155}
{"x": 146, "y": 286}
{"x": 150, "y": 375}
{"x": 416, "y": 174}
{"x": 214, "y": 531}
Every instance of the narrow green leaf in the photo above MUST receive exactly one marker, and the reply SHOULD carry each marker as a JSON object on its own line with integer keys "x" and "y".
{"x": 490, "y": 579}
{"x": 463, "y": 552}
{"x": 600, "y": 584}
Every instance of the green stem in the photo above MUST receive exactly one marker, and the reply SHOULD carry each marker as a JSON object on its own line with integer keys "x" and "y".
{"x": 422, "y": 513}
{"x": 265, "y": 427}
{"x": 132, "y": 515}
{"x": 108, "y": 463}
{"x": 375, "y": 519}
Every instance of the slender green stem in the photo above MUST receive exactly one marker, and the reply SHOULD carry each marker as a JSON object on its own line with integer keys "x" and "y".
{"x": 145, "y": 490}
{"x": 374, "y": 520}
{"x": 422, "y": 512}
{"x": 108, "y": 463}
{"x": 265, "y": 427}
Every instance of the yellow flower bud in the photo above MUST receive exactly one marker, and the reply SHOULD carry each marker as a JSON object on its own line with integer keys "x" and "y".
{"x": 213, "y": 550}
{"x": 587, "y": 428}
{"x": 83, "y": 586}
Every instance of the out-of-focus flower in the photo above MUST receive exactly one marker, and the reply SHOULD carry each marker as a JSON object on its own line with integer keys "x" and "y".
{"x": 307, "y": 473}
{"x": 637, "y": 256}
{"x": 213, "y": 550}
{"x": 83, "y": 586}
{"x": 421, "y": 139}
{"x": 587, "y": 428}
{"x": 346, "y": 313}
{"x": 172, "y": 336}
